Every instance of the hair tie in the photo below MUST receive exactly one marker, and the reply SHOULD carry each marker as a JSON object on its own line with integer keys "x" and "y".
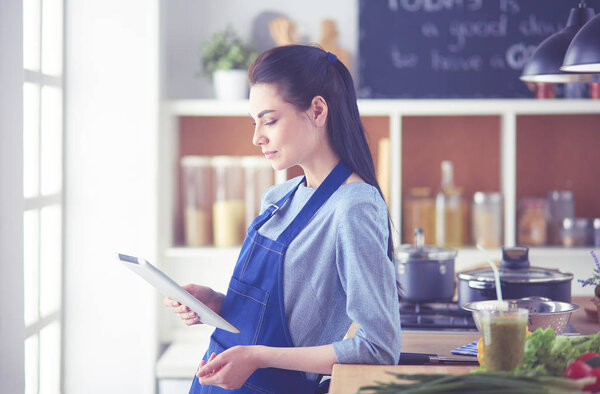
{"x": 331, "y": 57}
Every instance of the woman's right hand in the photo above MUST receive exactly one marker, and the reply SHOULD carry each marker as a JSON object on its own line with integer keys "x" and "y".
{"x": 206, "y": 295}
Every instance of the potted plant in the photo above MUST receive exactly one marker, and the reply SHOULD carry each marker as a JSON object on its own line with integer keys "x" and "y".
{"x": 594, "y": 280}
{"x": 226, "y": 58}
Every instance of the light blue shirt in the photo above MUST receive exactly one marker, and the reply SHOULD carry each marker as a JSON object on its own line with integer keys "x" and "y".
{"x": 337, "y": 271}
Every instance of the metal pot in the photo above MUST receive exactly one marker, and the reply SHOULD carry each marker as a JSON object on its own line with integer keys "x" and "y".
{"x": 424, "y": 273}
{"x": 517, "y": 280}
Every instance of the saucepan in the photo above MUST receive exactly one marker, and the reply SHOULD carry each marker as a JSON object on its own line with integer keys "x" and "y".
{"x": 517, "y": 280}
{"x": 425, "y": 273}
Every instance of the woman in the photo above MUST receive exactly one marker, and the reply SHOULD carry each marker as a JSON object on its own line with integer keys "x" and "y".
{"x": 319, "y": 256}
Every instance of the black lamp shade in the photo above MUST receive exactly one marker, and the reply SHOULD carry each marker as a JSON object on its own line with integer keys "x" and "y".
{"x": 547, "y": 59}
{"x": 583, "y": 54}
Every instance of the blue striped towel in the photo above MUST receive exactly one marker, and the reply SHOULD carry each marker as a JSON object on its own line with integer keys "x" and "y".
{"x": 470, "y": 349}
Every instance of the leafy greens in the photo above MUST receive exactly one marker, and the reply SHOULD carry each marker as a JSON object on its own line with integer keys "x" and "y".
{"x": 548, "y": 354}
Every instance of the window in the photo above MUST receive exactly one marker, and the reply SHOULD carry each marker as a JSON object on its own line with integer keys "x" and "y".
{"x": 42, "y": 191}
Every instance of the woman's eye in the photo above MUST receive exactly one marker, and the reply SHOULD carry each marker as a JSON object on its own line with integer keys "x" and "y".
{"x": 270, "y": 123}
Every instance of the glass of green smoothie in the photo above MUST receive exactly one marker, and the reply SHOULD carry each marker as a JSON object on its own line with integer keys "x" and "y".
{"x": 503, "y": 335}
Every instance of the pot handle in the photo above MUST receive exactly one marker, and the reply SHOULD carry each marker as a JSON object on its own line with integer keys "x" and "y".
{"x": 474, "y": 284}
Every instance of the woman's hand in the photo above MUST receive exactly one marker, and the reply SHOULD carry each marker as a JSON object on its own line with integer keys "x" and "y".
{"x": 231, "y": 368}
{"x": 206, "y": 295}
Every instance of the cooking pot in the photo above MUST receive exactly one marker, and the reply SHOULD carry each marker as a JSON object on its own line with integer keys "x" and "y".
{"x": 424, "y": 273}
{"x": 517, "y": 280}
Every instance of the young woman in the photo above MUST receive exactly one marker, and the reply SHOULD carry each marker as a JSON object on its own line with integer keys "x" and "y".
{"x": 320, "y": 255}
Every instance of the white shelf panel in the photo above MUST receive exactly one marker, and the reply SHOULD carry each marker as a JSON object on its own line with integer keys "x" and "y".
{"x": 392, "y": 107}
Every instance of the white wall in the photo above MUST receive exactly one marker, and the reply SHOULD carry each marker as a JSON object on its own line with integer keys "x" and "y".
{"x": 112, "y": 87}
{"x": 12, "y": 327}
{"x": 189, "y": 23}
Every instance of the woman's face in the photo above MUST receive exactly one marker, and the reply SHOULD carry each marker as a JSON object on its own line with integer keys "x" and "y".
{"x": 285, "y": 135}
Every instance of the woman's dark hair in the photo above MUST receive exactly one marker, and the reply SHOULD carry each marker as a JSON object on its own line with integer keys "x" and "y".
{"x": 300, "y": 73}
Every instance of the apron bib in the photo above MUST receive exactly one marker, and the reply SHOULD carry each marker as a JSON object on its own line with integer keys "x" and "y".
{"x": 254, "y": 300}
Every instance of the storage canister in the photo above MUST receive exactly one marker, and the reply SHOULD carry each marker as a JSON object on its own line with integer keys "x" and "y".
{"x": 577, "y": 232}
{"x": 531, "y": 222}
{"x": 487, "y": 219}
{"x": 259, "y": 176}
{"x": 560, "y": 206}
{"x": 229, "y": 208}
{"x": 198, "y": 199}
{"x": 419, "y": 212}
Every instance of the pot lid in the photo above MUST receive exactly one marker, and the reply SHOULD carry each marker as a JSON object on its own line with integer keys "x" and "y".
{"x": 421, "y": 252}
{"x": 519, "y": 275}
{"x": 515, "y": 268}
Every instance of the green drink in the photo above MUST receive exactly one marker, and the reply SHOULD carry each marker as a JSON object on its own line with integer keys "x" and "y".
{"x": 503, "y": 338}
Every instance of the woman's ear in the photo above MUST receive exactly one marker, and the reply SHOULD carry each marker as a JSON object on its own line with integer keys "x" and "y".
{"x": 318, "y": 111}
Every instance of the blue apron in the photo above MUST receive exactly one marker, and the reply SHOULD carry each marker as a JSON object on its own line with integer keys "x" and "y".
{"x": 254, "y": 300}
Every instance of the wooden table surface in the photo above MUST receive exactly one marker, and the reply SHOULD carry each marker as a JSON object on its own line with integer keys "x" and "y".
{"x": 348, "y": 378}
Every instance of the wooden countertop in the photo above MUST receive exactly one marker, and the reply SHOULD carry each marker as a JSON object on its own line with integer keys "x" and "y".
{"x": 348, "y": 378}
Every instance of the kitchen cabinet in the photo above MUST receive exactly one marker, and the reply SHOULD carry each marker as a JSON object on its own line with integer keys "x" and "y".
{"x": 518, "y": 147}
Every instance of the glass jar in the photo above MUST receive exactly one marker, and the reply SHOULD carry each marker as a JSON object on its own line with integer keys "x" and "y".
{"x": 450, "y": 218}
{"x": 597, "y": 232}
{"x": 577, "y": 232}
{"x": 229, "y": 208}
{"x": 259, "y": 176}
{"x": 487, "y": 219}
{"x": 197, "y": 199}
{"x": 531, "y": 223}
{"x": 560, "y": 206}
{"x": 418, "y": 212}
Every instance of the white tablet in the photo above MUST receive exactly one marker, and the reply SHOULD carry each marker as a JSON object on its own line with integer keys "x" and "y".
{"x": 171, "y": 289}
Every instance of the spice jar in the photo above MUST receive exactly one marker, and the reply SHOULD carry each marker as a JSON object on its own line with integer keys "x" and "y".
{"x": 487, "y": 219}
{"x": 229, "y": 208}
{"x": 577, "y": 232}
{"x": 531, "y": 224}
{"x": 418, "y": 212}
{"x": 259, "y": 176}
{"x": 560, "y": 206}
{"x": 198, "y": 200}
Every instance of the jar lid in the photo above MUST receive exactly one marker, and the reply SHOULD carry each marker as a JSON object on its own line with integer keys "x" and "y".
{"x": 483, "y": 197}
{"x": 226, "y": 161}
{"x": 195, "y": 161}
{"x": 560, "y": 195}
{"x": 421, "y": 252}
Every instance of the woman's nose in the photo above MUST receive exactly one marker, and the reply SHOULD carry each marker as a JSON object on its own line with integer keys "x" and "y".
{"x": 258, "y": 138}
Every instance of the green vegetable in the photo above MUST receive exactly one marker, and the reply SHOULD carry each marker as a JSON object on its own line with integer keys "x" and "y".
{"x": 547, "y": 354}
{"x": 481, "y": 382}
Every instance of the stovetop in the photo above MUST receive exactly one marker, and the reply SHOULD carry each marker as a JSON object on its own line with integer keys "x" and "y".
{"x": 436, "y": 317}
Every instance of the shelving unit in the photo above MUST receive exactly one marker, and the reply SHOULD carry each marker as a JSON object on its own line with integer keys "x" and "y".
{"x": 396, "y": 115}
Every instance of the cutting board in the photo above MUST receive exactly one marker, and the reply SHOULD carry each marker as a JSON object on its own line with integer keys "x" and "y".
{"x": 348, "y": 378}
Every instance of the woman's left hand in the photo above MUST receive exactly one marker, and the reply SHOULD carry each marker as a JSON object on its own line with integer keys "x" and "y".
{"x": 229, "y": 369}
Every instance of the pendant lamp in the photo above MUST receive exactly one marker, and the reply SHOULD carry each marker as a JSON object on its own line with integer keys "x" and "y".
{"x": 583, "y": 54}
{"x": 547, "y": 59}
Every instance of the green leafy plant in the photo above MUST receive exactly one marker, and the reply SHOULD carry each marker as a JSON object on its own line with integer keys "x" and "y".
{"x": 226, "y": 51}
{"x": 594, "y": 280}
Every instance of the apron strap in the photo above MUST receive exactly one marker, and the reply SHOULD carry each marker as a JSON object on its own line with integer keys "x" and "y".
{"x": 266, "y": 215}
{"x": 336, "y": 177}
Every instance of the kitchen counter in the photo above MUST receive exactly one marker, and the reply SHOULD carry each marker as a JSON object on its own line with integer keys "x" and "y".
{"x": 348, "y": 378}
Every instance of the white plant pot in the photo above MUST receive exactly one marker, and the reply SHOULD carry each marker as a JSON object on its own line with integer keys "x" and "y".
{"x": 231, "y": 84}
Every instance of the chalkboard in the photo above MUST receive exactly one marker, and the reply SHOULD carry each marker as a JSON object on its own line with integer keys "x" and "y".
{"x": 452, "y": 48}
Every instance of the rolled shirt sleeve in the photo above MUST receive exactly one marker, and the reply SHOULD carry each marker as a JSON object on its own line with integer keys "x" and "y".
{"x": 368, "y": 278}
